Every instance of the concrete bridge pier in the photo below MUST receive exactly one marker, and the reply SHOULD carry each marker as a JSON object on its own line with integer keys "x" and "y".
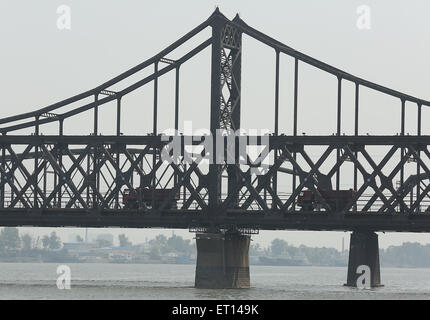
{"x": 364, "y": 250}
{"x": 222, "y": 261}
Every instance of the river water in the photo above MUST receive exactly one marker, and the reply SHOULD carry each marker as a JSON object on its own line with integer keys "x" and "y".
{"x": 169, "y": 282}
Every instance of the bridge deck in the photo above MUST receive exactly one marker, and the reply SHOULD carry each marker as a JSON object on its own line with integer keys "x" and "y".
{"x": 275, "y": 220}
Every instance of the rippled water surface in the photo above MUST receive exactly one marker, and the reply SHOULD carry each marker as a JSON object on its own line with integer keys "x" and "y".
{"x": 145, "y": 281}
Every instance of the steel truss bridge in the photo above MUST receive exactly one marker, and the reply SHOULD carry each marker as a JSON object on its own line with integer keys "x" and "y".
{"x": 63, "y": 180}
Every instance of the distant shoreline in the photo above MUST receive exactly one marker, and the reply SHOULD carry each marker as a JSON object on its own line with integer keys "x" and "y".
{"x": 193, "y": 263}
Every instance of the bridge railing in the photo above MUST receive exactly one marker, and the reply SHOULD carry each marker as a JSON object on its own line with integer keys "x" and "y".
{"x": 360, "y": 204}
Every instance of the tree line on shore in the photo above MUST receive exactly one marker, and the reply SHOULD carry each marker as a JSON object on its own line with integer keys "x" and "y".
{"x": 10, "y": 240}
{"x": 407, "y": 255}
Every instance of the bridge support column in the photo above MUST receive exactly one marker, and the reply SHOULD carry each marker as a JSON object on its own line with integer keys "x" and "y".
{"x": 222, "y": 261}
{"x": 364, "y": 250}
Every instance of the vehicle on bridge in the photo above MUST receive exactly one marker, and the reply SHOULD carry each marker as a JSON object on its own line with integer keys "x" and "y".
{"x": 131, "y": 201}
{"x": 336, "y": 199}
{"x": 308, "y": 201}
{"x": 414, "y": 181}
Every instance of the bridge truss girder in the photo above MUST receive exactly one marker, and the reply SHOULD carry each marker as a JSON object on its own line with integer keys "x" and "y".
{"x": 43, "y": 172}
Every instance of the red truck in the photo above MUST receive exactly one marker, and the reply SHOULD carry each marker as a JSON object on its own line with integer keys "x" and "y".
{"x": 337, "y": 200}
{"x": 130, "y": 199}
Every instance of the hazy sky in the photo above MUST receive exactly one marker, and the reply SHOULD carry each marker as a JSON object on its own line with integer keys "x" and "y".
{"x": 41, "y": 64}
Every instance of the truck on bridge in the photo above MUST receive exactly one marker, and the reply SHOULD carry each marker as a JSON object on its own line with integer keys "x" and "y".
{"x": 149, "y": 197}
{"x": 410, "y": 183}
{"x": 308, "y": 200}
{"x": 336, "y": 199}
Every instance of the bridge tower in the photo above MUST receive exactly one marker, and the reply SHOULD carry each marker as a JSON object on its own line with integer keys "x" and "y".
{"x": 223, "y": 257}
